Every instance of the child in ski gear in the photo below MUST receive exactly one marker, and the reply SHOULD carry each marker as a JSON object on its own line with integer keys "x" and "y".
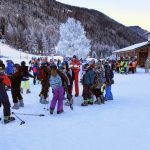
{"x": 4, "y": 100}
{"x": 9, "y": 67}
{"x": 43, "y": 76}
{"x": 75, "y": 65}
{"x": 88, "y": 80}
{"x": 109, "y": 79}
{"x": 130, "y": 67}
{"x": 58, "y": 90}
{"x": 68, "y": 88}
{"x": 122, "y": 65}
{"x": 126, "y": 66}
{"x": 118, "y": 66}
{"x": 15, "y": 87}
{"x": 99, "y": 80}
{"x": 25, "y": 77}
{"x": 35, "y": 72}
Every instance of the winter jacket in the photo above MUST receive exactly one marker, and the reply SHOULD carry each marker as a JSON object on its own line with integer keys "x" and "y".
{"x": 88, "y": 77}
{"x": 99, "y": 79}
{"x": 16, "y": 79}
{"x": 75, "y": 65}
{"x": 9, "y": 68}
{"x": 35, "y": 69}
{"x": 3, "y": 94}
{"x": 109, "y": 75}
{"x": 63, "y": 77}
{"x": 55, "y": 82}
{"x": 68, "y": 74}
{"x": 25, "y": 73}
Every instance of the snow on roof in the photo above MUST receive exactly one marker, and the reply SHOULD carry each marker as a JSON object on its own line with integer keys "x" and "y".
{"x": 132, "y": 47}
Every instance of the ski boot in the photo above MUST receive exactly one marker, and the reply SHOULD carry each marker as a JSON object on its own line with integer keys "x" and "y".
{"x": 21, "y": 90}
{"x": 44, "y": 101}
{"x": 28, "y": 91}
{"x": 60, "y": 112}
{"x": 51, "y": 111}
{"x": 8, "y": 119}
{"x": 98, "y": 101}
{"x": 16, "y": 106}
{"x": 76, "y": 95}
{"x": 41, "y": 98}
{"x": 90, "y": 101}
{"x": 85, "y": 103}
{"x": 21, "y": 103}
{"x": 102, "y": 99}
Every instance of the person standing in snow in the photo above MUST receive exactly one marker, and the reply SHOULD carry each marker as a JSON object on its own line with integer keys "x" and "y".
{"x": 9, "y": 67}
{"x": 68, "y": 73}
{"x": 57, "y": 82}
{"x": 15, "y": 87}
{"x": 35, "y": 72}
{"x": 25, "y": 77}
{"x": 4, "y": 100}
{"x": 75, "y": 65}
{"x": 99, "y": 80}
{"x": 87, "y": 81}
{"x": 109, "y": 75}
{"x": 43, "y": 76}
{"x": 147, "y": 65}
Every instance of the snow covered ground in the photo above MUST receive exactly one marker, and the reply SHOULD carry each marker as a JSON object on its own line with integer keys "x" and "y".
{"x": 121, "y": 124}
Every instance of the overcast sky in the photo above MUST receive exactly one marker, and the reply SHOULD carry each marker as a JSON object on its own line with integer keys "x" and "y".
{"x": 127, "y": 12}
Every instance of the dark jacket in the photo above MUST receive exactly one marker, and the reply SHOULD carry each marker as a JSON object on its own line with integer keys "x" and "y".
{"x": 109, "y": 75}
{"x": 25, "y": 73}
{"x": 88, "y": 77}
{"x": 16, "y": 79}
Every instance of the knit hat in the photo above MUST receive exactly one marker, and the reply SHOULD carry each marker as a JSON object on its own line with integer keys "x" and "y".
{"x": 53, "y": 66}
{"x": 74, "y": 56}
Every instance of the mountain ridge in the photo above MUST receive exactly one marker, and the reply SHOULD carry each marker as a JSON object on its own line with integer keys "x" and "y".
{"x": 105, "y": 33}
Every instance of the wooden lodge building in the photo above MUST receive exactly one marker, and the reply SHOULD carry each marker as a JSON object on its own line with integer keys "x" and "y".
{"x": 141, "y": 51}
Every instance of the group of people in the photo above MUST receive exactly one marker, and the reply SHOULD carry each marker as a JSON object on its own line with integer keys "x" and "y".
{"x": 125, "y": 65}
{"x": 97, "y": 77}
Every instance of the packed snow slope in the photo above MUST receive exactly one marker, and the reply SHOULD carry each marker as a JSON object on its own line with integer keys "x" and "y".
{"x": 7, "y": 52}
{"x": 121, "y": 124}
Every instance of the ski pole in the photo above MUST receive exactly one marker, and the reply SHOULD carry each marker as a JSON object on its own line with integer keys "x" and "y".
{"x": 22, "y": 122}
{"x": 40, "y": 115}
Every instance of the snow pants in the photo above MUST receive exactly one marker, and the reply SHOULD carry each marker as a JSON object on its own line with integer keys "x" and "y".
{"x": 76, "y": 82}
{"x": 25, "y": 84}
{"x": 45, "y": 88}
{"x": 6, "y": 106}
{"x": 108, "y": 94}
{"x": 87, "y": 92}
{"x": 16, "y": 95}
{"x": 57, "y": 97}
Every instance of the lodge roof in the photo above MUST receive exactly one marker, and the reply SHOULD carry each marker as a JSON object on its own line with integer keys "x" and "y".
{"x": 133, "y": 47}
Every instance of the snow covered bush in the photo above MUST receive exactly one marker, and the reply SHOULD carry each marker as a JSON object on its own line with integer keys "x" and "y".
{"x": 73, "y": 39}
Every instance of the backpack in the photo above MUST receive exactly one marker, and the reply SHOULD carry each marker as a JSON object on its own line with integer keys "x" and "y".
{"x": 41, "y": 74}
{"x": 5, "y": 80}
{"x": 34, "y": 70}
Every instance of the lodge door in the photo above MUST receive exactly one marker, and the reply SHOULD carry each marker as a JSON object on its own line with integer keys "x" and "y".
{"x": 142, "y": 58}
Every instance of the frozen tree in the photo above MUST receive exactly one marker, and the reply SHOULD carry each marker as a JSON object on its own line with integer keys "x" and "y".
{"x": 9, "y": 32}
{"x": 32, "y": 40}
{"x": 45, "y": 46}
{"x": 73, "y": 40}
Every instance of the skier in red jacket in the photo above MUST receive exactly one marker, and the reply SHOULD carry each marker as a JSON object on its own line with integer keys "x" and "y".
{"x": 75, "y": 65}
